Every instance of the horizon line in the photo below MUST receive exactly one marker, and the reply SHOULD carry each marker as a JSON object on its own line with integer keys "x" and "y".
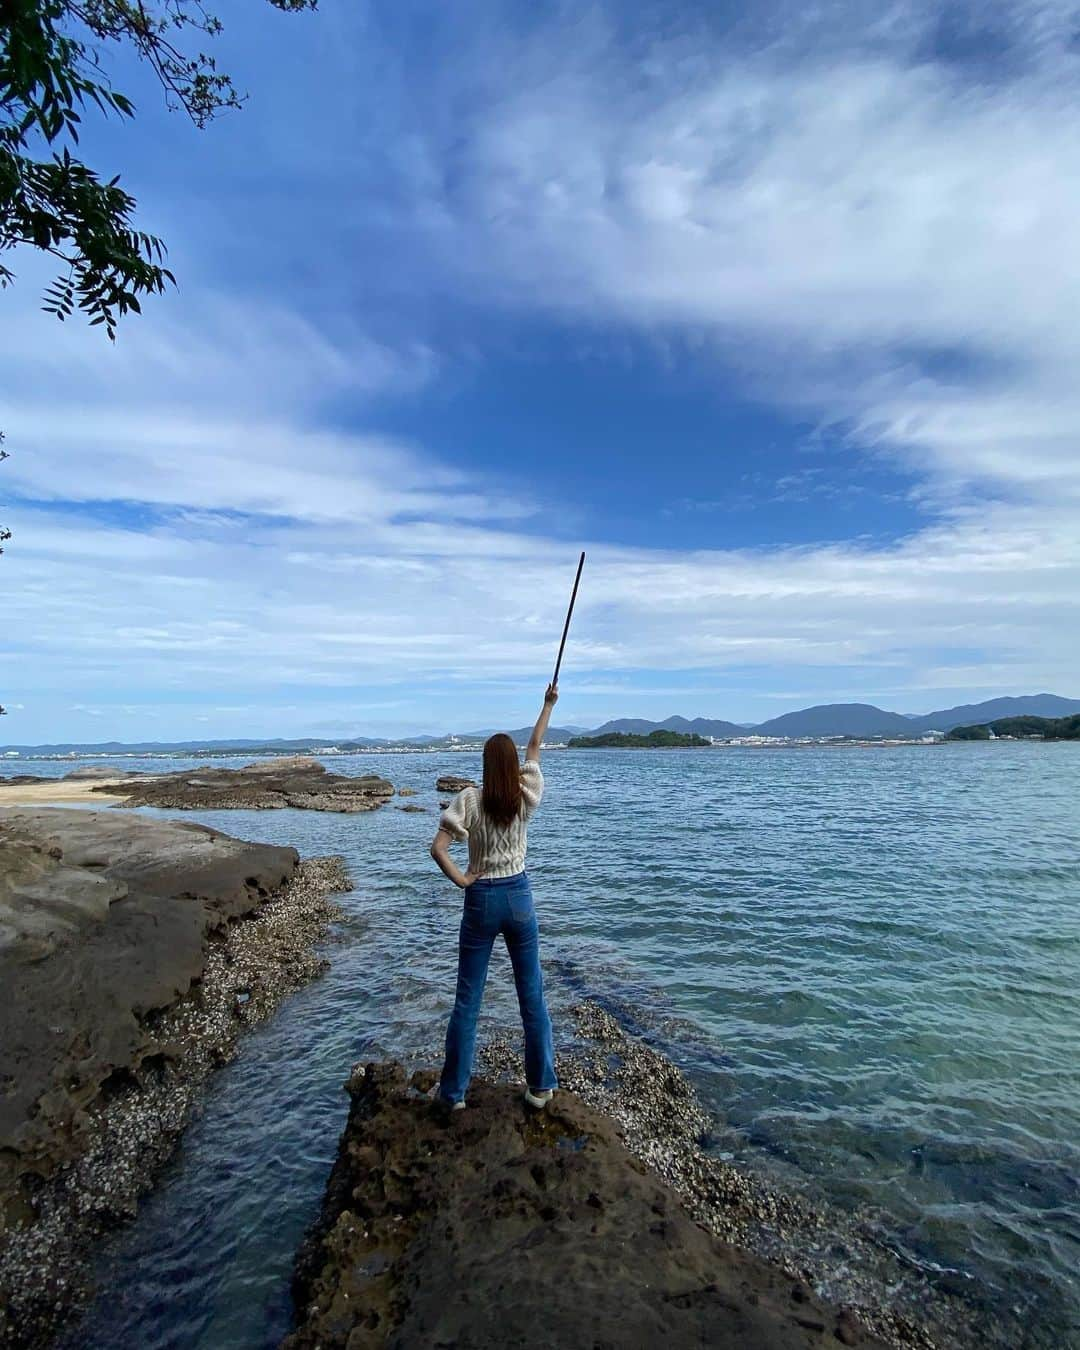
{"x": 413, "y": 738}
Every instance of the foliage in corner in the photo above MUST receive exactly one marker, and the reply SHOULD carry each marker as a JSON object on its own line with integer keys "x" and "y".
{"x": 51, "y": 71}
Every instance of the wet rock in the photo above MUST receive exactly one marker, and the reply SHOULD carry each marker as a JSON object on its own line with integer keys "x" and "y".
{"x": 297, "y": 781}
{"x": 410, "y": 808}
{"x": 663, "y": 1123}
{"x": 434, "y": 1223}
{"x": 133, "y": 954}
{"x": 449, "y": 782}
{"x": 406, "y": 792}
{"x": 847, "y": 1329}
{"x": 103, "y": 918}
{"x": 423, "y": 1081}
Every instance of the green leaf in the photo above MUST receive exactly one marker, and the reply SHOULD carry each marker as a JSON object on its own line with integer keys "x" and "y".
{"x": 48, "y": 76}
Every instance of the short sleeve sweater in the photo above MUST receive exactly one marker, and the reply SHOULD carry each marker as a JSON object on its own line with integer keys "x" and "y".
{"x": 494, "y": 850}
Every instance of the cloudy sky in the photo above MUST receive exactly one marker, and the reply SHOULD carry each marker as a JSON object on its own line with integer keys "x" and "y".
{"x": 777, "y": 316}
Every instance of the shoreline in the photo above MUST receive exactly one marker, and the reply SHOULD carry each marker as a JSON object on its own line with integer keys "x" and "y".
{"x": 297, "y": 781}
{"x": 89, "y": 791}
{"x": 655, "y": 1106}
{"x": 251, "y": 965}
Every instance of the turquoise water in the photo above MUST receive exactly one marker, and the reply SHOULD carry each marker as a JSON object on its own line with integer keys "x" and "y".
{"x": 868, "y": 961}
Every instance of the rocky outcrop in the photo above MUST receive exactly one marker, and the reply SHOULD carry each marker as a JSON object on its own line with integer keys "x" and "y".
{"x": 98, "y": 771}
{"x": 297, "y": 781}
{"x": 103, "y": 918}
{"x": 500, "y": 1226}
{"x": 90, "y": 774}
{"x": 133, "y": 954}
{"x": 448, "y": 782}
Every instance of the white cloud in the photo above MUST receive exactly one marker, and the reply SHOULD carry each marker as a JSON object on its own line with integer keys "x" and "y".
{"x": 218, "y": 413}
{"x": 261, "y": 612}
{"x": 836, "y": 224}
{"x": 249, "y": 354}
{"x": 219, "y": 464}
{"x": 823, "y": 218}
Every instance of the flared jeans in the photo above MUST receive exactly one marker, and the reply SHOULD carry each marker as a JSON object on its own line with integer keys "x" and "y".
{"x": 493, "y": 906}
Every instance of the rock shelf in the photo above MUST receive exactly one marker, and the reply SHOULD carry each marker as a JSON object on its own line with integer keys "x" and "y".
{"x": 297, "y": 781}
{"x": 133, "y": 953}
{"x": 499, "y": 1225}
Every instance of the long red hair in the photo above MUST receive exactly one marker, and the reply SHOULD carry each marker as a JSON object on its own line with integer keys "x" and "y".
{"x": 502, "y": 779}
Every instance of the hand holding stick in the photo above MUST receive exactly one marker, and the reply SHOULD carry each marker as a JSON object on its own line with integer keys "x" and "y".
{"x": 551, "y": 693}
{"x": 566, "y": 627}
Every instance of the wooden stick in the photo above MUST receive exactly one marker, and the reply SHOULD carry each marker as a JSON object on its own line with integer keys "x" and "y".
{"x": 566, "y": 625}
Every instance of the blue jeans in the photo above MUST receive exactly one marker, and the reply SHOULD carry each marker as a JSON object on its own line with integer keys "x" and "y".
{"x": 492, "y": 906}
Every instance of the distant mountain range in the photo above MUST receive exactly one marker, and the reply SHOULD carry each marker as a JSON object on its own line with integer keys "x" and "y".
{"x": 827, "y": 719}
{"x": 863, "y": 719}
{"x": 857, "y": 719}
{"x": 841, "y": 719}
{"x": 252, "y": 745}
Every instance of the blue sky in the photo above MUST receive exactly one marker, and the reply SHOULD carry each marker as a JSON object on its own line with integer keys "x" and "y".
{"x": 774, "y": 315}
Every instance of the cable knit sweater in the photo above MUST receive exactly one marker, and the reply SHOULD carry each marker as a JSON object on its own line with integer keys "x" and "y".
{"x": 494, "y": 850}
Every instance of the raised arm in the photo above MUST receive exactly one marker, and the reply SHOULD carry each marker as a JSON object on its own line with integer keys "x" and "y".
{"x": 551, "y": 697}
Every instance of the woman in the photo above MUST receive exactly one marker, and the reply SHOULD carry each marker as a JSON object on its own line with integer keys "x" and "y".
{"x": 497, "y": 900}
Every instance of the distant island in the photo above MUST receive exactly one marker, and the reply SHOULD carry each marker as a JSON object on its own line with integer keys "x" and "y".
{"x": 625, "y": 740}
{"x": 1023, "y": 728}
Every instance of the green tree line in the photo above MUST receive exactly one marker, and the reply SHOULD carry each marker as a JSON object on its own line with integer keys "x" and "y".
{"x": 655, "y": 740}
{"x": 1038, "y": 728}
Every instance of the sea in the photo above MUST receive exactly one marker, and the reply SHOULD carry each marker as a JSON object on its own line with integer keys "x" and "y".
{"x": 866, "y": 960}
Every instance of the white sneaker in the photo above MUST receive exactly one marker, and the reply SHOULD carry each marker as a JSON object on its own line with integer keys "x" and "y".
{"x": 436, "y": 1096}
{"x": 539, "y": 1099}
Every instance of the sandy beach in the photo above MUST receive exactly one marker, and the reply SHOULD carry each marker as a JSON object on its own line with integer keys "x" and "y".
{"x": 61, "y": 793}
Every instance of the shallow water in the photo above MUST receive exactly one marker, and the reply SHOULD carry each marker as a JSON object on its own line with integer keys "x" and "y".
{"x": 868, "y": 961}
